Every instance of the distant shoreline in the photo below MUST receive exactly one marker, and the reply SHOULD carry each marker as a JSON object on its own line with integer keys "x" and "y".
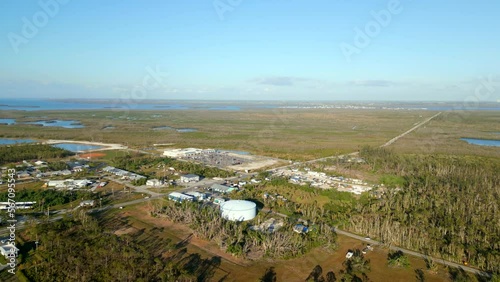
{"x": 234, "y": 105}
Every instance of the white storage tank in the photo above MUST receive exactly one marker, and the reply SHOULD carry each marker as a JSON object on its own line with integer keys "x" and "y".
{"x": 238, "y": 210}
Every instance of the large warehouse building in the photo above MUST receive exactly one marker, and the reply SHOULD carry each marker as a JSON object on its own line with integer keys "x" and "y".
{"x": 238, "y": 210}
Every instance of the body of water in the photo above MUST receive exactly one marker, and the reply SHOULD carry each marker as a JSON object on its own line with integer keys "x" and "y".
{"x": 5, "y": 141}
{"x": 59, "y": 123}
{"x": 76, "y": 147}
{"x": 225, "y": 108}
{"x": 163, "y": 128}
{"x": 482, "y": 142}
{"x": 112, "y": 105}
{"x": 8, "y": 121}
{"x": 118, "y": 105}
{"x": 184, "y": 130}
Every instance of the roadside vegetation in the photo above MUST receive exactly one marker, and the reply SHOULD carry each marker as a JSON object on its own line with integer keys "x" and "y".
{"x": 446, "y": 207}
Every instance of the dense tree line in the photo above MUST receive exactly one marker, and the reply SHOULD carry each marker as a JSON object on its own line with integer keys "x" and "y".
{"x": 17, "y": 153}
{"x": 79, "y": 249}
{"x": 336, "y": 211}
{"x": 446, "y": 206}
{"x": 355, "y": 269}
{"x": 45, "y": 198}
{"x": 238, "y": 239}
{"x": 139, "y": 164}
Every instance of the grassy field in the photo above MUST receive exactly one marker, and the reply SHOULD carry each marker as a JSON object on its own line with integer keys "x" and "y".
{"x": 136, "y": 222}
{"x": 442, "y": 135}
{"x": 284, "y": 133}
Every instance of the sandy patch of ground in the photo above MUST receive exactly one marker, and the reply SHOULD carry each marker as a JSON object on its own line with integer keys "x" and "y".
{"x": 125, "y": 231}
{"x": 297, "y": 269}
{"x": 182, "y": 232}
{"x": 92, "y": 155}
{"x": 258, "y": 164}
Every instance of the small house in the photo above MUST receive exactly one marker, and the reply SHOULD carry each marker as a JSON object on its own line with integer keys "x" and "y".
{"x": 87, "y": 203}
{"x": 8, "y": 249}
{"x": 154, "y": 182}
{"x": 300, "y": 228}
{"x": 219, "y": 201}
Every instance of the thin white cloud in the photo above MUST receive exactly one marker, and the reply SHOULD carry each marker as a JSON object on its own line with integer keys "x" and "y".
{"x": 372, "y": 83}
{"x": 278, "y": 80}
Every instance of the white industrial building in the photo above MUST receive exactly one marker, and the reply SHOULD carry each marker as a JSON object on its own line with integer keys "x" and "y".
{"x": 186, "y": 152}
{"x": 238, "y": 210}
{"x": 123, "y": 173}
{"x": 222, "y": 188}
{"x": 179, "y": 197}
{"x": 154, "y": 182}
{"x": 18, "y": 205}
{"x": 7, "y": 249}
{"x": 197, "y": 195}
{"x": 190, "y": 178}
{"x": 68, "y": 183}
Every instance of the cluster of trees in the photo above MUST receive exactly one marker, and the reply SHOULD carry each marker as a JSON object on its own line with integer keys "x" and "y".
{"x": 54, "y": 166}
{"x": 355, "y": 269}
{"x": 78, "y": 249}
{"x": 316, "y": 275}
{"x": 16, "y": 153}
{"x": 142, "y": 163}
{"x": 238, "y": 239}
{"x": 335, "y": 211}
{"x": 45, "y": 198}
{"x": 446, "y": 206}
{"x": 398, "y": 259}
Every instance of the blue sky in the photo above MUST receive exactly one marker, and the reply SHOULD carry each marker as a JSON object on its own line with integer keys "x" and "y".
{"x": 259, "y": 49}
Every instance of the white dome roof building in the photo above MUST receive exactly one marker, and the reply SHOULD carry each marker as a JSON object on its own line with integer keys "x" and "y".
{"x": 238, "y": 210}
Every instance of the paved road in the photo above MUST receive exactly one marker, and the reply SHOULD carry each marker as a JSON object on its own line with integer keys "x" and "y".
{"x": 410, "y": 130}
{"x": 140, "y": 189}
{"x": 413, "y": 253}
{"x": 394, "y": 248}
{"x": 155, "y": 195}
{"x": 355, "y": 153}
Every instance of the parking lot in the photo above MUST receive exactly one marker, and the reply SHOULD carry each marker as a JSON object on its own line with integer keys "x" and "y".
{"x": 218, "y": 158}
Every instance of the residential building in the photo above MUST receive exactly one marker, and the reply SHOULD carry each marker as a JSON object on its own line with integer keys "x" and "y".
{"x": 154, "y": 182}
{"x": 300, "y": 228}
{"x": 7, "y": 249}
{"x": 87, "y": 203}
